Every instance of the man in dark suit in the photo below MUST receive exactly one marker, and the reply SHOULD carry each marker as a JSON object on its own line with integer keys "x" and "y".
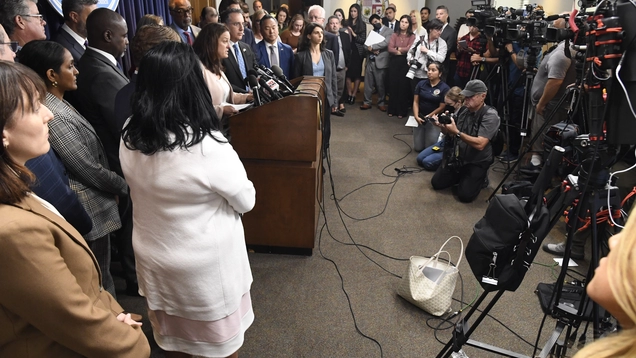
{"x": 344, "y": 50}
{"x": 100, "y": 78}
{"x": 248, "y": 35}
{"x": 389, "y": 18}
{"x": 270, "y": 51}
{"x": 181, "y": 12}
{"x": 316, "y": 14}
{"x": 241, "y": 58}
{"x": 72, "y": 34}
{"x": 449, "y": 35}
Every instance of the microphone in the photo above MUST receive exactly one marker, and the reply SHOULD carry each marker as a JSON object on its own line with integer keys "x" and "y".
{"x": 266, "y": 70}
{"x": 278, "y": 72}
{"x": 251, "y": 79}
{"x": 267, "y": 82}
{"x": 273, "y": 94}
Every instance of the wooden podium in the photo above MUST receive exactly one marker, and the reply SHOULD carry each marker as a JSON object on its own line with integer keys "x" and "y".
{"x": 280, "y": 144}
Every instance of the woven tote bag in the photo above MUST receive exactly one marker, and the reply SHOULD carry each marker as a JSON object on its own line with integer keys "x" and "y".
{"x": 430, "y": 283}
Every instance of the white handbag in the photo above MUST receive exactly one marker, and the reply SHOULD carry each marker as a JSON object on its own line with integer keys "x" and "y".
{"x": 429, "y": 283}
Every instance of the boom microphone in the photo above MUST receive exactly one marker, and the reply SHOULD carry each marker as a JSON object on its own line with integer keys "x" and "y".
{"x": 278, "y": 72}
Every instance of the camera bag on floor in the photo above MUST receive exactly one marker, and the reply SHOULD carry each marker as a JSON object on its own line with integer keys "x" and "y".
{"x": 570, "y": 295}
{"x": 505, "y": 242}
{"x": 429, "y": 283}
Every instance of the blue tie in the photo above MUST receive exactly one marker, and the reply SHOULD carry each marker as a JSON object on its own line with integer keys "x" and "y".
{"x": 241, "y": 62}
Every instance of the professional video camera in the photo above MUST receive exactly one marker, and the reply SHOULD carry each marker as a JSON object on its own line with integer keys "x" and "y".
{"x": 526, "y": 26}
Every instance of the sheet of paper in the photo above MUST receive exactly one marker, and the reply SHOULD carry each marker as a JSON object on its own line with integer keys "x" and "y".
{"x": 559, "y": 260}
{"x": 411, "y": 122}
{"x": 373, "y": 38}
{"x": 238, "y": 107}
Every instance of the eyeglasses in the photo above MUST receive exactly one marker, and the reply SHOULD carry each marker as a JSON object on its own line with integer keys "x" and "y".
{"x": 183, "y": 11}
{"x": 39, "y": 16}
{"x": 13, "y": 44}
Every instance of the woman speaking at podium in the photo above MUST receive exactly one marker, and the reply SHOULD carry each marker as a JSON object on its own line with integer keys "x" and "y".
{"x": 312, "y": 59}
{"x": 212, "y": 46}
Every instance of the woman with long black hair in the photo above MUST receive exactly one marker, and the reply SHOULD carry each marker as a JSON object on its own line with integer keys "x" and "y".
{"x": 189, "y": 189}
{"x": 358, "y": 31}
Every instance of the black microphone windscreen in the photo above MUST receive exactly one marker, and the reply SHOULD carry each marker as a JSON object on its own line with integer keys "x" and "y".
{"x": 252, "y": 80}
{"x": 278, "y": 72}
{"x": 251, "y": 72}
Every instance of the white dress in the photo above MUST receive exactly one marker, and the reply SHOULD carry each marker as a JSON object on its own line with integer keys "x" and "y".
{"x": 189, "y": 244}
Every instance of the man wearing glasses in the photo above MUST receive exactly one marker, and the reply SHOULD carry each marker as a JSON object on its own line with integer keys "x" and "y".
{"x": 22, "y": 21}
{"x": 7, "y": 47}
{"x": 181, "y": 12}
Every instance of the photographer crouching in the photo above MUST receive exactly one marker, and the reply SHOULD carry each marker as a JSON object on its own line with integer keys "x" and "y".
{"x": 467, "y": 150}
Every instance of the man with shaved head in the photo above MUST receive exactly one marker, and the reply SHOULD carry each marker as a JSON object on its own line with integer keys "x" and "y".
{"x": 100, "y": 78}
{"x": 181, "y": 12}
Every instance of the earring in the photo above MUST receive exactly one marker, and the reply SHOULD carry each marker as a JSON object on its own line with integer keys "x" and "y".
{"x": 54, "y": 84}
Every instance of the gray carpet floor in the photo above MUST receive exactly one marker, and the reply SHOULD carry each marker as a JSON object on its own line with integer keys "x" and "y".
{"x": 342, "y": 301}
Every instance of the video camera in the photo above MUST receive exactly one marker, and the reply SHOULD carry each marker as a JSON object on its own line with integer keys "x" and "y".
{"x": 504, "y": 25}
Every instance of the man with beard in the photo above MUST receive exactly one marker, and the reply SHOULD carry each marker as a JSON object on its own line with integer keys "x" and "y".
{"x": 72, "y": 35}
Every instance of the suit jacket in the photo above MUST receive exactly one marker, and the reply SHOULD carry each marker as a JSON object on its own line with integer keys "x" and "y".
{"x": 385, "y": 22}
{"x": 331, "y": 43}
{"x": 195, "y": 31}
{"x": 65, "y": 39}
{"x": 98, "y": 82}
{"x": 123, "y": 105}
{"x": 232, "y": 70}
{"x": 303, "y": 66}
{"x": 285, "y": 57}
{"x": 248, "y": 38}
{"x": 345, "y": 38}
{"x": 382, "y": 59}
{"x": 53, "y": 304}
{"x": 450, "y": 36}
{"x": 52, "y": 185}
{"x": 75, "y": 140}
{"x": 215, "y": 86}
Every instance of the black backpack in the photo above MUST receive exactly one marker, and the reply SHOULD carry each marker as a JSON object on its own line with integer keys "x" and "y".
{"x": 505, "y": 242}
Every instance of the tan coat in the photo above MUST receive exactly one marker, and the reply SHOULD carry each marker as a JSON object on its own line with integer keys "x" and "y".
{"x": 51, "y": 300}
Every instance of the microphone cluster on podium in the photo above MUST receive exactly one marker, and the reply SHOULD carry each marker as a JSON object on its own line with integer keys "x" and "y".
{"x": 268, "y": 84}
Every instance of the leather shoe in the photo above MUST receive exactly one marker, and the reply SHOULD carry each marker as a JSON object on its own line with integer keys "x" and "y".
{"x": 365, "y": 106}
{"x": 352, "y": 100}
{"x": 382, "y": 108}
{"x": 343, "y": 110}
{"x": 338, "y": 113}
{"x": 559, "y": 250}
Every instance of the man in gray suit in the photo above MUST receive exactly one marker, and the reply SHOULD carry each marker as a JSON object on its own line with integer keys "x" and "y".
{"x": 181, "y": 12}
{"x": 72, "y": 35}
{"x": 377, "y": 63}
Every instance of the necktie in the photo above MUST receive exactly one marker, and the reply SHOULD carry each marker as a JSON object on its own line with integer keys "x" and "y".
{"x": 188, "y": 37}
{"x": 273, "y": 55}
{"x": 391, "y": 26}
{"x": 119, "y": 66}
{"x": 241, "y": 62}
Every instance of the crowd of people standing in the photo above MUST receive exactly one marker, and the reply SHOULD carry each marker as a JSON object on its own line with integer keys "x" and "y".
{"x": 96, "y": 139}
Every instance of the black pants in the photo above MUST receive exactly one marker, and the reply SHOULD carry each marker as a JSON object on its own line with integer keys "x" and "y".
{"x": 469, "y": 179}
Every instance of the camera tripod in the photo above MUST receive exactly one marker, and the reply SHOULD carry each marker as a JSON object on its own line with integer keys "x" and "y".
{"x": 593, "y": 196}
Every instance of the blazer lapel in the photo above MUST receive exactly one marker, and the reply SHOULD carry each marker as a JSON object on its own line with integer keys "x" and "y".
{"x": 107, "y": 62}
{"x": 33, "y": 205}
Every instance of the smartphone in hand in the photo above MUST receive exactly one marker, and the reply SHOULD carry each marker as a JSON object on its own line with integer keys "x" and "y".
{"x": 462, "y": 44}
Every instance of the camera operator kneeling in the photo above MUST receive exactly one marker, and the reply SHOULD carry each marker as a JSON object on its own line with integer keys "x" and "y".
{"x": 467, "y": 151}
